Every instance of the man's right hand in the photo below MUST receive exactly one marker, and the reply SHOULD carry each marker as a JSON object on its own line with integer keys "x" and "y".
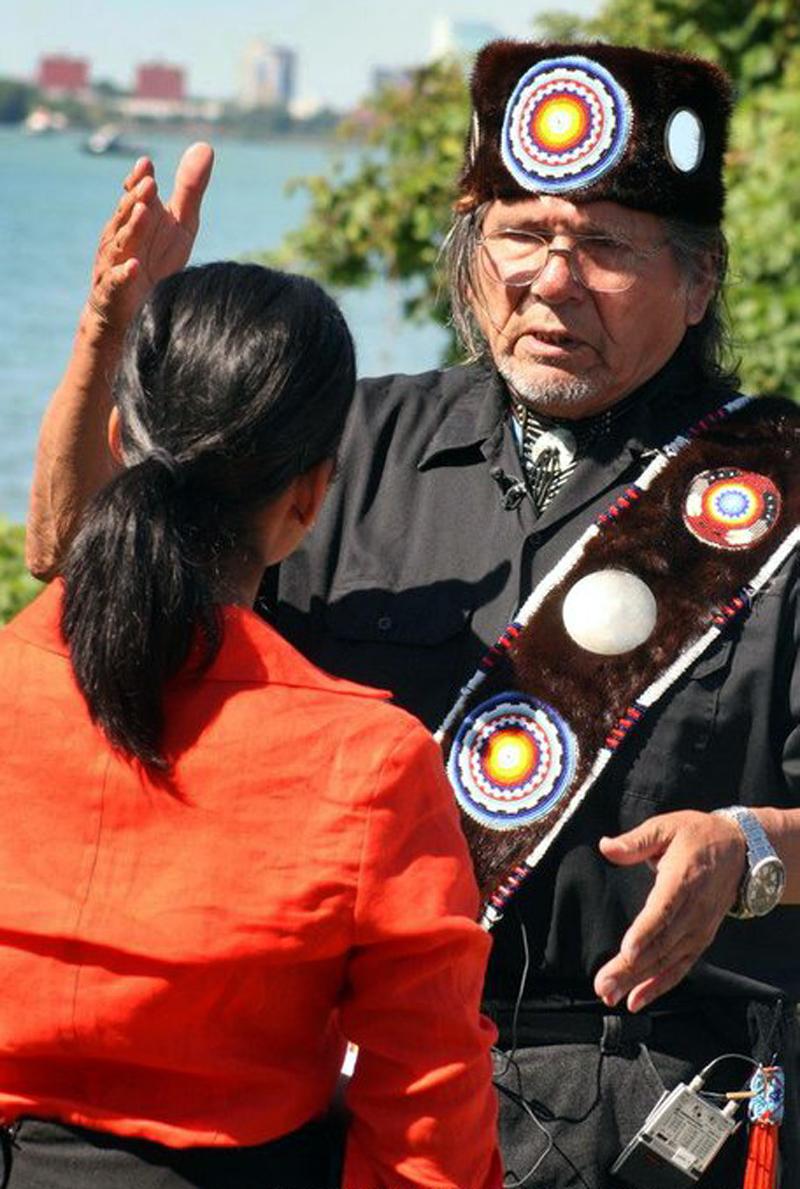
{"x": 145, "y": 239}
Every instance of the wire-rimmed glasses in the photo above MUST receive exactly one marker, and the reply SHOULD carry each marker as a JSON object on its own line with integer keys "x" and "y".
{"x": 517, "y": 258}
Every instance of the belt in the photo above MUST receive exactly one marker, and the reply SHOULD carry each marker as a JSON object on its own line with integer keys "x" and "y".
{"x": 614, "y": 1032}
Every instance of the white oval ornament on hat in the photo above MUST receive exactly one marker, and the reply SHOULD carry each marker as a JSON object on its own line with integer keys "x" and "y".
{"x": 474, "y": 138}
{"x": 567, "y": 122}
{"x": 609, "y": 612}
{"x": 511, "y": 761}
{"x": 684, "y": 140}
{"x": 728, "y": 508}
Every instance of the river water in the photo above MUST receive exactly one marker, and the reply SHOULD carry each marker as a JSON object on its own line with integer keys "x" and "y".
{"x": 53, "y": 201}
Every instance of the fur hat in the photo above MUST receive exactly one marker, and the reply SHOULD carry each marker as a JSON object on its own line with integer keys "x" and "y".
{"x": 592, "y": 121}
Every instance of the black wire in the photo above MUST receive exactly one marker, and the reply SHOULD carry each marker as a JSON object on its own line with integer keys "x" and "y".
{"x": 573, "y": 1166}
{"x": 519, "y": 1101}
{"x": 526, "y": 965}
{"x": 592, "y": 1105}
{"x": 531, "y": 1107}
{"x": 553, "y": 1145}
{"x": 8, "y": 1141}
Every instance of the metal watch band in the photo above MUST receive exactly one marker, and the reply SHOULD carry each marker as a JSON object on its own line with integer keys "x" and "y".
{"x": 760, "y": 855}
{"x": 758, "y": 844}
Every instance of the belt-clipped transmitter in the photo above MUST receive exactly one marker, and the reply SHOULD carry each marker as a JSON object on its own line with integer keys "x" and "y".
{"x": 685, "y": 1129}
{"x": 677, "y": 1141}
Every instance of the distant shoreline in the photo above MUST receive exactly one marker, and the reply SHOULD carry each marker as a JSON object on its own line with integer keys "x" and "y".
{"x": 203, "y": 130}
{"x": 41, "y": 113}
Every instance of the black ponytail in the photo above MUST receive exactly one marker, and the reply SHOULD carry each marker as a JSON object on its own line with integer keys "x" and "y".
{"x": 234, "y": 379}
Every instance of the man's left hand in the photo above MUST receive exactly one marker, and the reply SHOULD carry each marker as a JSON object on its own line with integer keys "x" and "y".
{"x": 699, "y": 861}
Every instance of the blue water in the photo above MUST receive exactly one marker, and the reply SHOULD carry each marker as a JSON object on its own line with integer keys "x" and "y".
{"x": 53, "y": 201}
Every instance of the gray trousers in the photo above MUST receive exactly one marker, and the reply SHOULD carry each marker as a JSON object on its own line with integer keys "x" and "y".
{"x": 567, "y": 1111}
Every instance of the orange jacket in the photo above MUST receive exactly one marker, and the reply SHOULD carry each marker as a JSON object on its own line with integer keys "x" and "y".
{"x": 183, "y": 965}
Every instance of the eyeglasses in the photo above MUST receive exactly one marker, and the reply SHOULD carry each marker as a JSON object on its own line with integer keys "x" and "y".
{"x": 598, "y": 262}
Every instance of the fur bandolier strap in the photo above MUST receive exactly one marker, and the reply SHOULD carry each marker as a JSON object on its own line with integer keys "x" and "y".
{"x": 644, "y": 592}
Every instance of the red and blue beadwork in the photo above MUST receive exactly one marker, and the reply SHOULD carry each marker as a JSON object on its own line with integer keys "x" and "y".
{"x": 728, "y": 508}
{"x": 567, "y": 123}
{"x": 511, "y": 761}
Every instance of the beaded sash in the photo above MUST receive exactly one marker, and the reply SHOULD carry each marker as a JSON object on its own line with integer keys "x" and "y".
{"x": 683, "y": 551}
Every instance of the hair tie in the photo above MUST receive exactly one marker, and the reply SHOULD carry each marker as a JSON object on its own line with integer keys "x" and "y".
{"x": 165, "y": 460}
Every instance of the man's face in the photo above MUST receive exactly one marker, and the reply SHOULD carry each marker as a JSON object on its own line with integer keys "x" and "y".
{"x": 566, "y": 350}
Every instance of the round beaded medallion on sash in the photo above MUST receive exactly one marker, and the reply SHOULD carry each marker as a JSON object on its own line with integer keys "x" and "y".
{"x": 728, "y": 508}
{"x": 567, "y": 122}
{"x": 511, "y": 760}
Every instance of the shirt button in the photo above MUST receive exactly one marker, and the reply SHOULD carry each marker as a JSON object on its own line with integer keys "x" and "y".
{"x": 385, "y": 623}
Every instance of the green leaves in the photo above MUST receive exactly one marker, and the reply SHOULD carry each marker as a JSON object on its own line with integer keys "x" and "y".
{"x": 386, "y": 217}
{"x": 758, "y": 43}
{"x": 16, "y": 100}
{"x": 16, "y": 585}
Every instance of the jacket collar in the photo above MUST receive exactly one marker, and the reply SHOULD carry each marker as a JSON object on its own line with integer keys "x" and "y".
{"x": 252, "y": 651}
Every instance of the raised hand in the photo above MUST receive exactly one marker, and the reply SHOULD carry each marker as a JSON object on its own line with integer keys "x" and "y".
{"x": 145, "y": 239}
{"x": 698, "y": 860}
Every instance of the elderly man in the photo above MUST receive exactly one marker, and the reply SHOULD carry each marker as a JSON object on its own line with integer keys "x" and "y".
{"x": 586, "y": 258}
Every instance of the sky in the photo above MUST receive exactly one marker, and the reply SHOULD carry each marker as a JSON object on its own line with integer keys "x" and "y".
{"x": 338, "y": 41}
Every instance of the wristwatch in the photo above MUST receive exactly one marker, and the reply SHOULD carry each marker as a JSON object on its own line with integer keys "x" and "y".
{"x": 765, "y": 876}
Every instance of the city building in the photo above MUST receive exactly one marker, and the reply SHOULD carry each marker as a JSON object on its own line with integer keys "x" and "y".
{"x": 160, "y": 81}
{"x": 267, "y": 76}
{"x": 460, "y": 39}
{"x": 58, "y": 74}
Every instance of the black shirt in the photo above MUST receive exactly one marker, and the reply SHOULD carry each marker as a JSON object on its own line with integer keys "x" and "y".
{"x": 417, "y": 563}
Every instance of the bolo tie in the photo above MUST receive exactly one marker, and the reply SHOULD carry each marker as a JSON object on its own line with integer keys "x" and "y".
{"x": 550, "y": 450}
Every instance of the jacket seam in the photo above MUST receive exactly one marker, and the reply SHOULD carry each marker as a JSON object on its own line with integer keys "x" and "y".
{"x": 376, "y": 785}
{"x": 79, "y": 965}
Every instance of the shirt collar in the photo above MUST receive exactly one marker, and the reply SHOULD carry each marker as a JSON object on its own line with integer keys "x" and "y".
{"x": 475, "y": 406}
{"x": 669, "y": 402}
{"x": 474, "y": 403}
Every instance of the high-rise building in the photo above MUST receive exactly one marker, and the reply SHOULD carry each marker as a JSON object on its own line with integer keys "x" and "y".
{"x": 160, "y": 80}
{"x": 268, "y": 75}
{"x": 59, "y": 74}
{"x": 461, "y": 39}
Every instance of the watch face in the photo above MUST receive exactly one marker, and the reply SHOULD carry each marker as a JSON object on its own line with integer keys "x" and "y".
{"x": 765, "y": 886}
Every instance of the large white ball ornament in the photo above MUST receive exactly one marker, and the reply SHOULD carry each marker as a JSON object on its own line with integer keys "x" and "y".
{"x": 609, "y": 612}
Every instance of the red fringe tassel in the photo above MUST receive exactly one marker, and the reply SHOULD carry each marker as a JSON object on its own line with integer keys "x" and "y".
{"x": 762, "y": 1156}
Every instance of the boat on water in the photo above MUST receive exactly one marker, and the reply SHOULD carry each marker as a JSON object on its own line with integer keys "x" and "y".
{"x": 110, "y": 139}
{"x": 41, "y": 122}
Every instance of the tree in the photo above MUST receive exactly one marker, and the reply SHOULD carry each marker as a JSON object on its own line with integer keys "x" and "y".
{"x": 16, "y": 100}
{"x": 751, "y": 39}
{"x": 106, "y": 88}
{"x": 758, "y": 43}
{"x": 16, "y": 585}
{"x": 386, "y": 218}
{"x": 764, "y": 229}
